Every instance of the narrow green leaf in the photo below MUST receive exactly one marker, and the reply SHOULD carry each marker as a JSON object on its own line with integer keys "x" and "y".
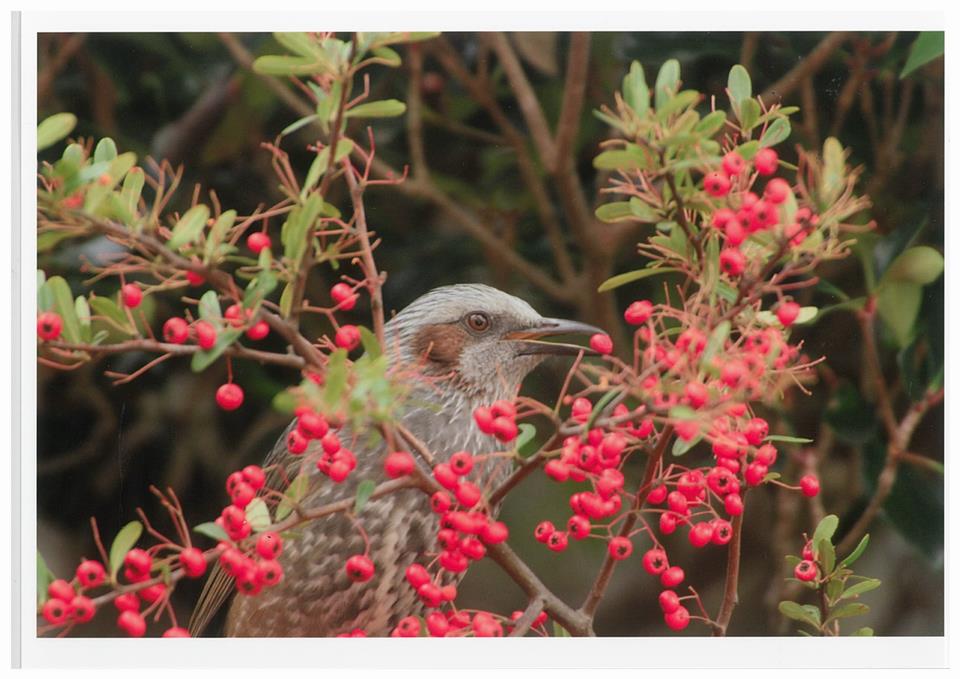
{"x": 212, "y": 531}
{"x": 795, "y": 611}
{"x": 209, "y": 308}
{"x": 385, "y": 108}
{"x": 63, "y": 304}
{"x": 711, "y": 124}
{"x": 387, "y": 56}
{"x": 525, "y": 443}
{"x": 292, "y": 496}
{"x": 301, "y": 43}
{"x": 857, "y": 552}
{"x": 364, "y": 491}
{"x": 678, "y": 102}
{"x": 749, "y": 114}
{"x": 82, "y": 309}
{"x": 189, "y": 227}
{"x": 132, "y": 190}
{"x": 218, "y": 232}
{"x": 287, "y": 65}
{"x": 861, "y": 587}
{"x": 777, "y": 438}
{"x": 258, "y": 515}
{"x": 927, "y": 47}
{"x": 54, "y": 128}
{"x": 202, "y": 359}
{"x": 848, "y": 611}
{"x": 630, "y": 158}
{"x": 297, "y": 124}
{"x": 44, "y": 577}
{"x": 614, "y": 212}
{"x": 920, "y": 264}
{"x": 104, "y": 306}
{"x": 681, "y": 447}
{"x": 826, "y": 528}
{"x": 636, "y": 94}
{"x": 371, "y": 347}
{"x": 123, "y": 543}
{"x": 777, "y": 132}
{"x": 668, "y": 79}
{"x": 630, "y": 277}
{"x": 826, "y": 554}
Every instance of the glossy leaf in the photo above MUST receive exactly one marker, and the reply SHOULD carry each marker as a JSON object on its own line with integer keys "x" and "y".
{"x": 125, "y": 541}
{"x": 668, "y": 79}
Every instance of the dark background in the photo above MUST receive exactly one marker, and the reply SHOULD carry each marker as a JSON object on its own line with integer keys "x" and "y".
{"x": 183, "y": 97}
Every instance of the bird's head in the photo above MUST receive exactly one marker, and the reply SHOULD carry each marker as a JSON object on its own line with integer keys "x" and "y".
{"x": 486, "y": 339}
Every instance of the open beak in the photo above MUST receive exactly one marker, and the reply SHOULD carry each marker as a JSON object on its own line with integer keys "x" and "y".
{"x": 532, "y": 343}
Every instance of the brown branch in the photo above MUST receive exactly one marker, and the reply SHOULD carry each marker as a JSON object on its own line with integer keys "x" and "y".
{"x": 374, "y": 279}
{"x": 418, "y": 155}
{"x": 153, "y": 346}
{"x": 809, "y": 65}
{"x": 574, "y": 88}
{"x": 730, "y": 598}
{"x": 525, "y": 621}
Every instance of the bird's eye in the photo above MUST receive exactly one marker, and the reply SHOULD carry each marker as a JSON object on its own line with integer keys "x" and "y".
{"x": 478, "y": 322}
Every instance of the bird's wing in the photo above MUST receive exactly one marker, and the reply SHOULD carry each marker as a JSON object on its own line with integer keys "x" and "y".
{"x": 219, "y": 586}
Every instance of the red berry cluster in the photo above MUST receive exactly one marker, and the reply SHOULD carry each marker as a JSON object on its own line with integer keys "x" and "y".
{"x": 335, "y": 460}
{"x": 499, "y": 420}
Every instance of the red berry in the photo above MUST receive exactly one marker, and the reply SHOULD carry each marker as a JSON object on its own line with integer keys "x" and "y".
{"x": 716, "y": 185}
{"x": 132, "y": 295}
{"x": 49, "y": 325}
{"x": 557, "y": 470}
{"x": 417, "y": 575}
{"x": 269, "y": 545}
{"x": 484, "y": 418}
{"x": 206, "y": 334}
{"x": 132, "y": 623}
{"x": 657, "y": 494}
{"x": 505, "y": 429}
{"x": 672, "y": 577}
{"x": 543, "y": 531}
{"x": 242, "y": 494}
{"x": 138, "y": 561}
{"x": 700, "y": 534}
{"x": 82, "y": 609}
{"x": 777, "y": 190}
{"x": 461, "y": 463}
{"x": 655, "y": 561}
{"x": 732, "y": 261}
{"x": 269, "y": 572}
{"x": 810, "y": 485}
{"x": 236, "y": 315}
{"x": 343, "y": 296}
{"x": 734, "y": 232}
{"x": 494, "y": 533}
{"x": 296, "y": 442}
{"x": 668, "y": 523}
{"x": 359, "y": 568}
{"x": 468, "y": 494}
{"x": 787, "y": 313}
{"x": 557, "y": 541}
{"x": 807, "y": 551}
{"x": 766, "y": 454}
{"x": 619, "y": 548}
{"x": 91, "y": 573}
{"x": 601, "y": 343}
{"x": 765, "y": 162}
{"x": 696, "y": 394}
{"x": 733, "y": 504}
{"x": 348, "y": 337}
{"x": 258, "y": 330}
{"x": 312, "y": 425}
{"x": 229, "y": 396}
{"x": 669, "y": 601}
{"x": 175, "y": 632}
{"x": 398, "y": 463}
{"x": 62, "y": 590}
{"x": 176, "y": 330}
{"x": 755, "y": 473}
{"x": 678, "y": 619}
{"x": 195, "y": 279}
{"x": 258, "y": 241}
{"x": 127, "y": 602}
{"x": 756, "y": 430}
{"x": 437, "y": 624}
{"x": 152, "y": 593}
{"x": 440, "y": 502}
{"x": 408, "y": 627}
{"x": 255, "y": 476}
{"x": 194, "y": 565}
{"x": 722, "y": 531}
{"x": 638, "y": 312}
{"x": 445, "y": 476}
{"x": 733, "y": 163}
{"x": 55, "y": 611}
{"x": 806, "y": 571}
{"x": 578, "y": 527}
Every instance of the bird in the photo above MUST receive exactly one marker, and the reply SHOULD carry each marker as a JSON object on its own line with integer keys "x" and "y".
{"x": 470, "y": 346}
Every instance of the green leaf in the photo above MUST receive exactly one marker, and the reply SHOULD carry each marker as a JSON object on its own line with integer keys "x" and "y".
{"x": 385, "y": 108}
{"x": 63, "y": 304}
{"x": 711, "y": 124}
{"x": 54, "y": 128}
{"x": 794, "y": 611}
{"x": 202, "y": 359}
{"x": 82, "y": 310}
{"x": 44, "y": 294}
{"x": 297, "y": 124}
{"x": 614, "y": 212}
{"x": 643, "y": 212}
{"x": 739, "y": 87}
{"x": 827, "y": 555}
{"x": 257, "y": 289}
{"x": 787, "y": 439}
{"x": 336, "y": 379}
{"x": 189, "y": 227}
{"x": 292, "y": 496}
{"x": 123, "y": 543}
{"x": 927, "y": 47}
{"x": 287, "y": 65}
{"x": 636, "y": 94}
{"x": 44, "y": 577}
{"x": 559, "y": 630}
{"x": 857, "y": 552}
{"x": 106, "y": 151}
{"x": 861, "y": 587}
{"x": 807, "y": 314}
{"x": 525, "y": 443}
{"x": 825, "y": 529}
{"x": 681, "y": 447}
{"x": 630, "y": 158}
{"x": 749, "y": 114}
{"x": 371, "y": 347}
{"x": 898, "y": 304}
{"x": 748, "y": 149}
{"x": 630, "y": 277}
{"x": 668, "y": 79}
{"x": 258, "y": 516}
{"x": 132, "y": 190}
{"x": 217, "y": 234}
{"x": 209, "y": 307}
{"x": 921, "y": 265}
{"x": 717, "y": 339}
{"x": 319, "y": 165}
{"x": 104, "y": 306}
{"x": 364, "y": 491}
{"x": 863, "y": 632}
{"x": 678, "y": 102}
{"x": 387, "y": 56}
{"x": 777, "y": 132}
{"x": 212, "y": 531}
{"x": 848, "y": 611}
{"x": 300, "y": 43}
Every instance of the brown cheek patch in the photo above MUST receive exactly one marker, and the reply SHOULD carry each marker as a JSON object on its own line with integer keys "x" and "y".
{"x": 441, "y": 343}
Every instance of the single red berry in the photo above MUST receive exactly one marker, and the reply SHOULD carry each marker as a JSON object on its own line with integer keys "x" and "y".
{"x": 132, "y": 295}
{"x": 229, "y": 396}
{"x": 733, "y": 504}
{"x": 61, "y": 589}
{"x": 669, "y": 601}
{"x": 175, "y": 632}
{"x": 269, "y": 545}
{"x": 445, "y": 476}
{"x": 472, "y": 548}
{"x": 807, "y": 552}
{"x": 722, "y": 531}
{"x": 505, "y": 429}
{"x": 195, "y": 279}
{"x": 313, "y": 425}
{"x": 716, "y": 185}
{"x": 678, "y": 619}
{"x": 765, "y": 162}
{"x": 557, "y": 541}
{"x": 408, "y": 627}
{"x": 269, "y": 572}
{"x": 55, "y": 611}
{"x": 49, "y": 325}
{"x": 132, "y": 623}
{"x": 343, "y": 296}
{"x": 243, "y": 494}
{"x": 255, "y": 476}
{"x": 619, "y": 548}
{"x": 668, "y": 523}
{"x": 193, "y": 563}
{"x": 766, "y": 455}
{"x": 398, "y": 463}
{"x": 557, "y": 470}
{"x": 153, "y": 593}
{"x": 655, "y": 561}
{"x": 258, "y": 330}
{"x": 461, "y": 463}
{"x": 756, "y": 431}
{"x": 441, "y": 502}
{"x": 91, "y": 573}
{"x": 176, "y": 330}
{"x": 733, "y": 163}
{"x": 696, "y": 394}
{"x": 359, "y": 568}
{"x": 578, "y": 527}
{"x": 755, "y": 473}
{"x": 484, "y": 418}
{"x": 777, "y": 190}
{"x": 638, "y": 312}
{"x": 455, "y": 562}
{"x": 206, "y": 334}
{"x": 437, "y": 624}
{"x": 806, "y": 571}
{"x": 296, "y": 442}
{"x": 810, "y": 485}
{"x": 468, "y": 494}
{"x": 417, "y": 575}
{"x": 348, "y": 337}
{"x": 138, "y": 560}
{"x": 700, "y": 534}
{"x": 672, "y": 577}
{"x": 657, "y": 494}
{"x": 787, "y": 313}
{"x": 127, "y": 602}
{"x": 258, "y": 241}
{"x": 543, "y": 531}
{"x": 236, "y": 315}
{"x": 601, "y": 343}
{"x": 732, "y": 261}
{"x": 82, "y": 609}
{"x": 494, "y": 533}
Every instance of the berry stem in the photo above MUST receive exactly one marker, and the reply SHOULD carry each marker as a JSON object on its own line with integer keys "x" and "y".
{"x": 730, "y": 598}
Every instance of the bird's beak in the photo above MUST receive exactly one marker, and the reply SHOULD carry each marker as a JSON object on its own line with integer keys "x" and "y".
{"x": 532, "y": 343}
